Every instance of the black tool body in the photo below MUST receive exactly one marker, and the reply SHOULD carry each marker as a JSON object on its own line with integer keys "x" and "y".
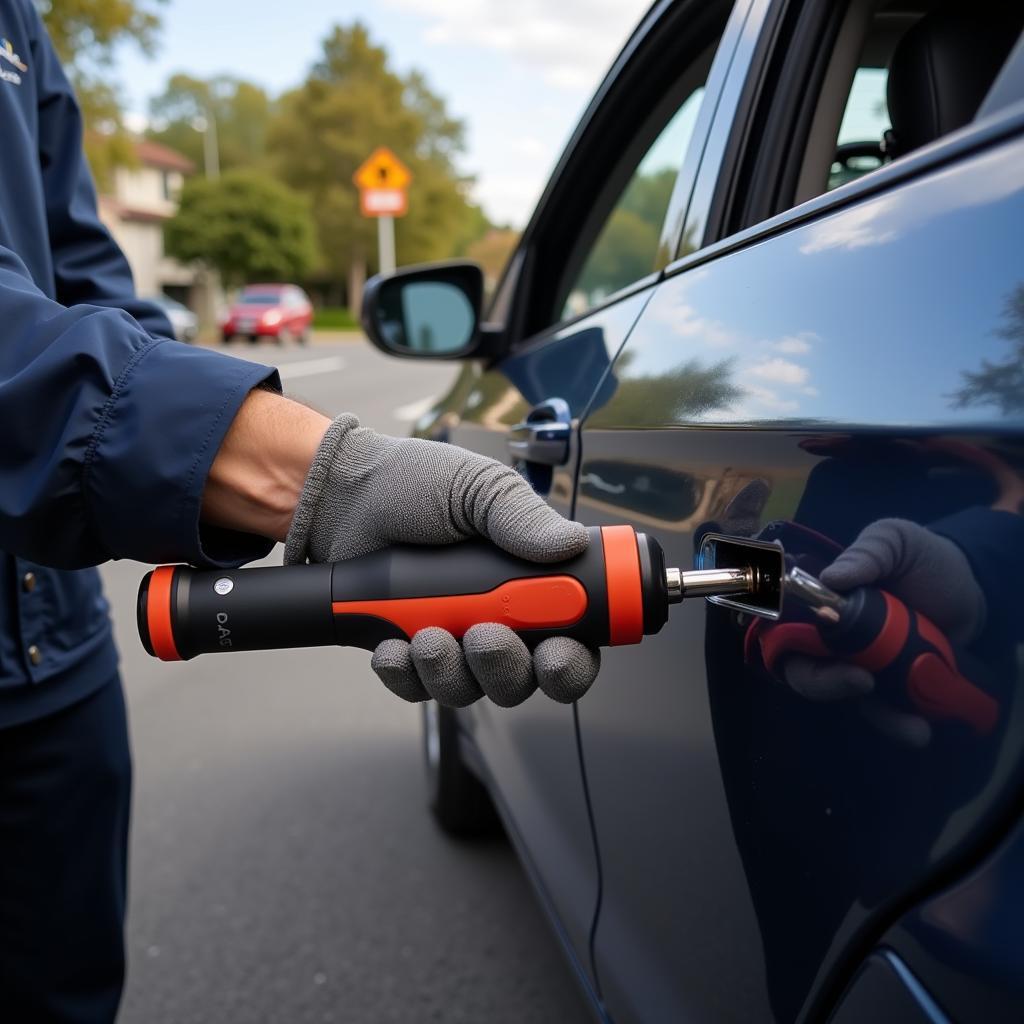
{"x": 614, "y": 592}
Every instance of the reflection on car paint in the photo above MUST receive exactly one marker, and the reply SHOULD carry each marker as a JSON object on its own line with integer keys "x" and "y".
{"x": 837, "y": 362}
{"x": 742, "y": 373}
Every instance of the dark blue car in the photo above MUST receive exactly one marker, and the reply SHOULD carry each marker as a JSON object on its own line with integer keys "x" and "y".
{"x": 774, "y": 291}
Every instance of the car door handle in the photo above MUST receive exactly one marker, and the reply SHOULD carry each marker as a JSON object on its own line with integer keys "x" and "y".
{"x": 543, "y": 437}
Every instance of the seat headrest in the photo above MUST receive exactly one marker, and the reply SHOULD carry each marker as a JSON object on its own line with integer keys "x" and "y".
{"x": 942, "y": 68}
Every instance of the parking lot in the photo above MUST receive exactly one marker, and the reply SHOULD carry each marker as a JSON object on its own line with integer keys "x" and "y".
{"x": 284, "y": 867}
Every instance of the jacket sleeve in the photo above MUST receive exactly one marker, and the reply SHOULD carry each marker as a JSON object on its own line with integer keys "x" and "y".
{"x": 993, "y": 541}
{"x": 109, "y": 434}
{"x": 88, "y": 264}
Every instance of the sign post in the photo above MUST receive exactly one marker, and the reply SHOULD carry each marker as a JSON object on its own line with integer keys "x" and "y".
{"x": 383, "y": 180}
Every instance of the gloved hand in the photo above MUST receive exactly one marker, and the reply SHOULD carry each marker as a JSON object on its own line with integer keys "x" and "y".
{"x": 366, "y": 491}
{"x": 924, "y": 570}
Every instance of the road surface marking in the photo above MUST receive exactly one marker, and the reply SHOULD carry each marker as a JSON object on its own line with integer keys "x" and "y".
{"x": 310, "y": 367}
{"x": 414, "y": 410}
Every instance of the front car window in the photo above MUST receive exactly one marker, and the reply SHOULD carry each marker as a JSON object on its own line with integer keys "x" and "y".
{"x": 626, "y": 247}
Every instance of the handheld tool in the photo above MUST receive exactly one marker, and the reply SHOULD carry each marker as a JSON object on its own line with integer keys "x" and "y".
{"x": 908, "y": 654}
{"x": 616, "y": 592}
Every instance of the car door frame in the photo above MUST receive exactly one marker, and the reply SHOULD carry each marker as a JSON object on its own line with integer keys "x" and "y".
{"x": 642, "y": 72}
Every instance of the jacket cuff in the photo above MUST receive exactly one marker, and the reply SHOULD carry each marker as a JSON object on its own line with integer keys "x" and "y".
{"x": 156, "y": 439}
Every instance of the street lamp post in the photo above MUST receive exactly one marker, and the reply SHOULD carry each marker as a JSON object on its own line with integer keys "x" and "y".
{"x": 206, "y": 125}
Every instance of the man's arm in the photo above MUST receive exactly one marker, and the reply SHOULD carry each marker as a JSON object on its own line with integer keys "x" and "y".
{"x": 88, "y": 265}
{"x": 109, "y": 435}
{"x": 257, "y": 477}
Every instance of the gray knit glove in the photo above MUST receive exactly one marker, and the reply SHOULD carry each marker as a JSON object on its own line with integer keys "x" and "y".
{"x": 366, "y": 491}
{"x": 926, "y": 571}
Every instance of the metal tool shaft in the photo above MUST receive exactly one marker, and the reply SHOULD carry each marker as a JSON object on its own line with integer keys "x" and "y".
{"x": 808, "y": 589}
{"x": 707, "y": 582}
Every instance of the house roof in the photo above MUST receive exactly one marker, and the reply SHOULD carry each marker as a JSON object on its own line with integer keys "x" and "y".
{"x": 153, "y": 154}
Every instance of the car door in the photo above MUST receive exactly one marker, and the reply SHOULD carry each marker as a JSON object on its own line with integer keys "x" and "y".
{"x": 577, "y": 284}
{"x": 853, "y": 360}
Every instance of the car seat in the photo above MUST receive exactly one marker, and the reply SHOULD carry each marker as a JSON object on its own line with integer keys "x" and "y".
{"x": 943, "y": 67}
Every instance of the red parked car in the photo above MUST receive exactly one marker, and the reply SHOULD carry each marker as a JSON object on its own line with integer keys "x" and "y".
{"x": 279, "y": 311}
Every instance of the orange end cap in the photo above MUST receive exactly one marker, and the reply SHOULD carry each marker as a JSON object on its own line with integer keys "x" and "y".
{"x": 158, "y": 614}
{"x": 625, "y": 586}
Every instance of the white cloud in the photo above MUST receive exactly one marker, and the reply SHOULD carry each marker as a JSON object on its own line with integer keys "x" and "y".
{"x": 571, "y": 45}
{"x": 683, "y": 320}
{"x": 856, "y": 228}
{"x": 527, "y": 145}
{"x": 509, "y": 197}
{"x": 796, "y": 344}
{"x": 758, "y": 403}
{"x": 782, "y": 371}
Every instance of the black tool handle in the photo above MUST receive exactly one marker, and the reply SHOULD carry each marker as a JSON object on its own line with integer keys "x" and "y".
{"x": 612, "y": 593}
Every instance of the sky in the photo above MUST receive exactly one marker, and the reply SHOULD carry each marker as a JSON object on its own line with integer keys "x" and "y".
{"x": 519, "y": 74}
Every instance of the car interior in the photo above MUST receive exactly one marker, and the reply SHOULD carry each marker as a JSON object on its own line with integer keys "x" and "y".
{"x": 902, "y": 75}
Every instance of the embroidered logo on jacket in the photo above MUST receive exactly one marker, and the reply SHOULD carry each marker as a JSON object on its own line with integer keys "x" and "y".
{"x": 7, "y": 54}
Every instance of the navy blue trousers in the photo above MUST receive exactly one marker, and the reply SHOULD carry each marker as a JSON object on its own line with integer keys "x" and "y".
{"x": 65, "y": 796}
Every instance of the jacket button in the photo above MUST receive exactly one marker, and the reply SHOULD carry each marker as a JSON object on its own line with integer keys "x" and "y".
{"x": 28, "y": 582}
{"x": 35, "y": 655}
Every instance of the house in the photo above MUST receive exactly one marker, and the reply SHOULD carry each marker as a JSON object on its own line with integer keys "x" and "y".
{"x": 134, "y": 208}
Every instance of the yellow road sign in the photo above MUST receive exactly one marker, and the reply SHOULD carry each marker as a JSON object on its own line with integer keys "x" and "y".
{"x": 382, "y": 170}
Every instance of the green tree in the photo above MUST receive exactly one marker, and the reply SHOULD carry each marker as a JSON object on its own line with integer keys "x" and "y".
{"x": 240, "y": 109}
{"x": 245, "y": 225}
{"x": 85, "y": 34}
{"x": 627, "y": 247}
{"x": 1000, "y": 383}
{"x": 351, "y": 103}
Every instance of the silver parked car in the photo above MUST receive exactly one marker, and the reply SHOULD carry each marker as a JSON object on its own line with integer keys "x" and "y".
{"x": 183, "y": 320}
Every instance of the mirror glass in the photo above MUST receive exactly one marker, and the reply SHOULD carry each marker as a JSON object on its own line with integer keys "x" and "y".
{"x": 426, "y": 316}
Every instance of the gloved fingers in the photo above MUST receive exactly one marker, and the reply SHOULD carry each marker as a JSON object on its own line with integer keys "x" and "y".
{"x": 821, "y": 680}
{"x": 392, "y": 661}
{"x": 564, "y": 668}
{"x": 500, "y": 662}
{"x": 503, "y": 507}
{"x": 879, "y": 552}
{"x": 907, "y": 729}
{"x": 926, "y": 570}
{"x": 442, "y": 669}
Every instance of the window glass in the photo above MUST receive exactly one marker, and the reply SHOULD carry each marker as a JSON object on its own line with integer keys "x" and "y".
{"x": 865, "y": 121}
{"x": 626, "y": 248}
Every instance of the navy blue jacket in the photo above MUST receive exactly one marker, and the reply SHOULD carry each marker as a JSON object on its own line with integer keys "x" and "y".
{"x": 107, "y": 427}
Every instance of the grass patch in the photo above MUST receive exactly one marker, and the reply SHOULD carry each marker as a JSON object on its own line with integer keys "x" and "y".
{"x": 334, "y": 318}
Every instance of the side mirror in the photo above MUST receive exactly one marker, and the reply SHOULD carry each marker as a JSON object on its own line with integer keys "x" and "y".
{"x": 426, "y": 312}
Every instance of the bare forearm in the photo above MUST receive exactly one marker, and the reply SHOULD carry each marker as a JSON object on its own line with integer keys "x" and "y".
{"x": 257, "y": 477}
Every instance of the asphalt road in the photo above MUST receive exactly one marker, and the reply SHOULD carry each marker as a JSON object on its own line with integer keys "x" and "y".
{"x": 284, "y": 867}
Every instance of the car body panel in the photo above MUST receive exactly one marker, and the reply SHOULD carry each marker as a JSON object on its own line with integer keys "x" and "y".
{"x": 966, "y": 943}
{"x": 737, "y": 822}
